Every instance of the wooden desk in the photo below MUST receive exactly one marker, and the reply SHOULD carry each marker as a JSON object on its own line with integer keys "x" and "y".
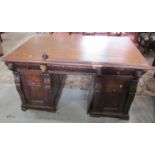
{"x": 41, "y": 65}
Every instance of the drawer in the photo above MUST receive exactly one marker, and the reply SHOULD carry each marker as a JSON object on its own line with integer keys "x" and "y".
{"x": 31, "y": 77}
{"x": 112, "y": 71}
{"x": 113, "y": 84}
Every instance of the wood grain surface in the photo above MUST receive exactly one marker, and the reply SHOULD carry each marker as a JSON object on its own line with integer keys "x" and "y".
{"x": 80, "y": 50}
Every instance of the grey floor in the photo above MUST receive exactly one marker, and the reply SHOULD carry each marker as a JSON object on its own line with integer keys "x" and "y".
{"x": 71, "y": 108}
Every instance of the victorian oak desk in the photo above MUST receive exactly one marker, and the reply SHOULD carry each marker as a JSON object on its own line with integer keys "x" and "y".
{"x": 41, "y": 64}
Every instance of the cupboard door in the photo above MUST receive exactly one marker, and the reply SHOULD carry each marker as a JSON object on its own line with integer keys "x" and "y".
{"x": 35, "y": 90}
{"x": 111, "y": 93}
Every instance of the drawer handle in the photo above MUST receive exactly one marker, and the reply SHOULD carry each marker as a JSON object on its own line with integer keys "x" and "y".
{"x": 44, "y": 56}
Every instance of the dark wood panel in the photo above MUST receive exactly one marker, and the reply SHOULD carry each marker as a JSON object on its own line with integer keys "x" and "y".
{"x": 40, "y": 90}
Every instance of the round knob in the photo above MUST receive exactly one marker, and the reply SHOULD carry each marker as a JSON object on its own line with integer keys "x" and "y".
{"x": 44, "y": 56}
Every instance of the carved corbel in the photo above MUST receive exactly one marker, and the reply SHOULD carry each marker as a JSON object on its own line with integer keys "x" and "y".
{"x": 11, "y": 66}
{"x": 19, "y": 89}
{"x": 138, "y": 74}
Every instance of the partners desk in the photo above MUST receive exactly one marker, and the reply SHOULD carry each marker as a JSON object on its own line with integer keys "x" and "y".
{"x": 41, "y": 64}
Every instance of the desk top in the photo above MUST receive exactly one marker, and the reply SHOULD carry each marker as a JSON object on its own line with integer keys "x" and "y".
{"x": 80, "y": 50}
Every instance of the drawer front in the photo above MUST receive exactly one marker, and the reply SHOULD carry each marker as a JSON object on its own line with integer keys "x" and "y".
{"x": 112, "y": 71}
{"x": 31, "y": 77}
{"x": 113, "y": 84}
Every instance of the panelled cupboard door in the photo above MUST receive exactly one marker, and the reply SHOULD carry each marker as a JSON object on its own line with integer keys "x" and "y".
{"x": 111, "y": 93}
{"x": 34, "y": 89}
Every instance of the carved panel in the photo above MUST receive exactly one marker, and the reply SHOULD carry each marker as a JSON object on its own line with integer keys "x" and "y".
{"x": 38, "y": 89}
{"x": 110, "y": 92}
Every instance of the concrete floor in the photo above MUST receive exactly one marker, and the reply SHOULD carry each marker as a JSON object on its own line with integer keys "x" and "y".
{"x": 71, "y": 108}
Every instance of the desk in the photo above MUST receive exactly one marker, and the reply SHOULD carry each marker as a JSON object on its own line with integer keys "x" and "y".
{"x": 41, "y": 64}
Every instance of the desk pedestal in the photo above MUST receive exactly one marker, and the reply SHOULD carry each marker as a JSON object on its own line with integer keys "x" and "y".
{"x": 113, "y": 92}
